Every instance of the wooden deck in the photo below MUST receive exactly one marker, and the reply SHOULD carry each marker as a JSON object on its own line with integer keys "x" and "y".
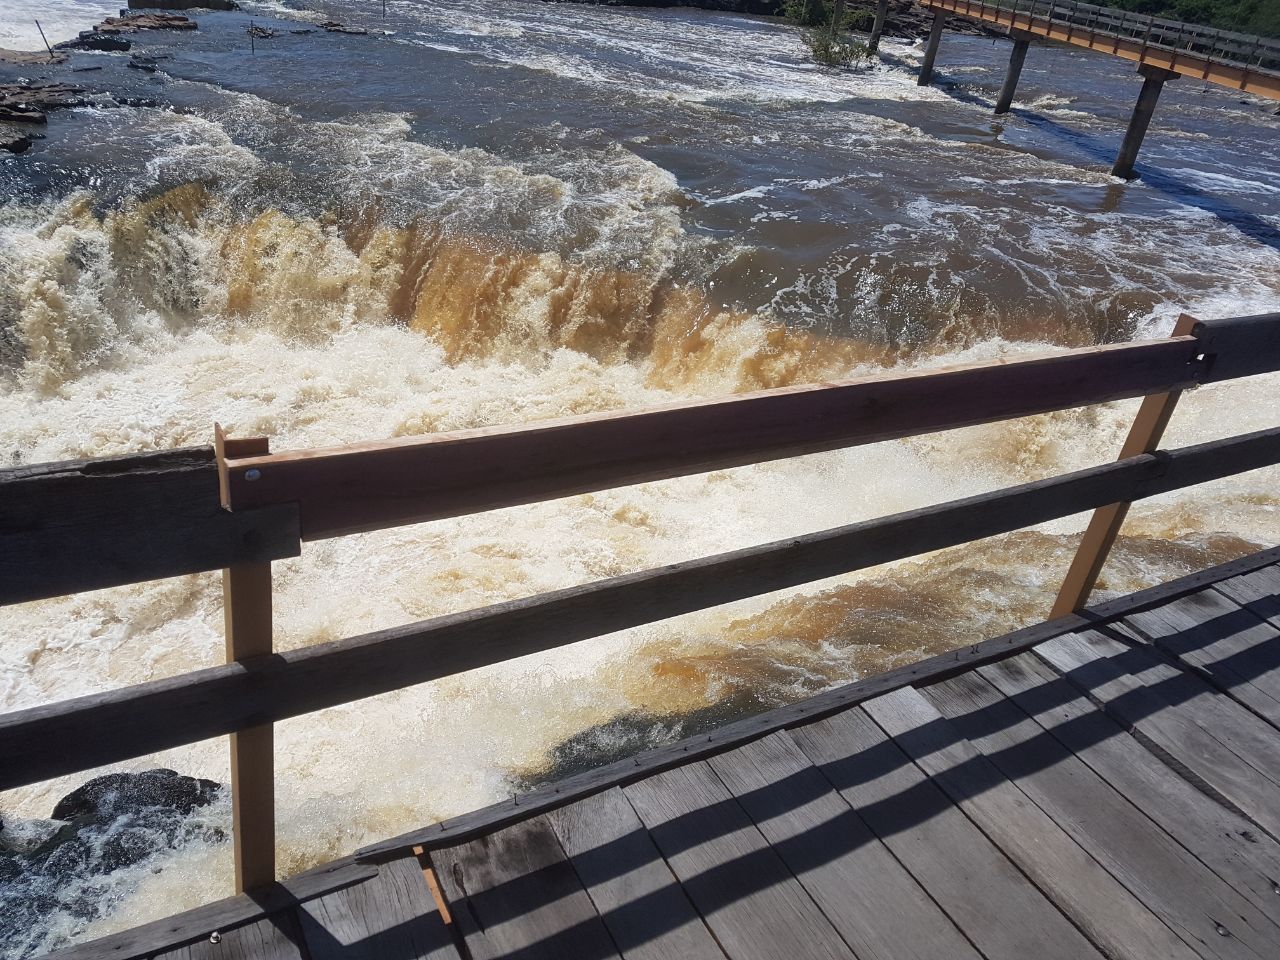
{"x": 1107, "y": 785}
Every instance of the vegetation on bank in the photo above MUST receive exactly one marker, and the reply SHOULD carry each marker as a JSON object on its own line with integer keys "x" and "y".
{"x": 829, "y": 42}
{"x": 1246, "y": 16}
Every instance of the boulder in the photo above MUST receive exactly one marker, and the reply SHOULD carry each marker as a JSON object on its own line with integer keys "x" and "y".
{"x": 16, "y": 143}
{"x": 334, "y": 27}
{"x": 117, "y": 793}
{"x": 92, "y": 40}
{"x": 26, "y": 103}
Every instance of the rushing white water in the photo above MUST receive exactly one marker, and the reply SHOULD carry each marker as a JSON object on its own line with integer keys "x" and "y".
{"x": 382, "y": 269}
{"x": 59, "y": 19}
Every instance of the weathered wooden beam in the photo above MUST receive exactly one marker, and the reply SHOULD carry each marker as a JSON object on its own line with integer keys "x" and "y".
{"x": 49, "y": 741}
{"x": 376, "y": 485}
{"x": 1145, "y": 435}
{"x": 88, "y": 524}
{"x": 1239, "y": 346}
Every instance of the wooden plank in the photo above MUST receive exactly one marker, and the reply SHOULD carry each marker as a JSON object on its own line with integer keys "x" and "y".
{"x": 376, "y": 485}
{"x": 932, "y": 669}
{"x": 514, "y": 894}
{"x": 1207, "y": 914}
{"x": 44, "y": 742}
{"x": 1111, "y": 674}
{"x": 1257, "y": 591}
{"x": 754, "y": 906}
{"x": 1239, "y": 346}
{"x": 1226, "y": 842}
{"x": 647, "y": 914}
{"x": 89, "y": 524}
{"x": 1144, "y": 436}
{"x": 999, "y": 910}
{"x": 1100, "y": 906}
{"x": 879, "y": 909}
{"x": 389, "y": 916}
{"x": 1226, "y": 644}
{"x": 194, "y": 925}
{"x": 246, "y": 601}
{"x": 274, "y": 938}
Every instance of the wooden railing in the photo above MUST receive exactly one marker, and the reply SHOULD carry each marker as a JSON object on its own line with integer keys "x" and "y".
{"x": 85, "y": 525}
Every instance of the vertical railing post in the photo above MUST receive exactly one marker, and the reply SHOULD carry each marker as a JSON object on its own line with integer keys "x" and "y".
{"x": 246, "y": 602}
{"x": 1104, "y": 526}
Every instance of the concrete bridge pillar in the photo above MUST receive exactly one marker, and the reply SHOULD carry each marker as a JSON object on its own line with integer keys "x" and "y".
{"x": 1153, "y": 83}
{"x": 931, "y": 51}
{"x": 877, "y": 29}
{"x": 1021, "y": 42}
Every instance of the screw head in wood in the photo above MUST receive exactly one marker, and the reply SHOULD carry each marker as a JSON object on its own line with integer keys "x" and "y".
{"x": 215, "y": 937}
{"x": 253, "y": 474}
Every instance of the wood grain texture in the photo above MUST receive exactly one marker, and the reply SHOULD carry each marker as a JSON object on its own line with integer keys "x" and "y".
{"x": 513, "y": 894}
{"x": 194, "y": 925}
{"x": 999, "y": 910}
{"x": 1239, "y": 346}
{"x": 1229, "y": 844}
{"x": 274, "y": 938}
{"x": 89, "y": 524}
{"x": 149, "y": 717}
{"x": 1229, "y": 646}
{"x": 1099, "y": 905}
{"x": 750, "y": 900}
{"x": 1257, "y": 591}
{"x": 1210, "y": 917}
{"x": 475, "y": 823}
{"x": 1180, "y": 724}
{"x": 879, "y": 909}
{"x": 647, "y": 914}
{"x": 375, "y": 485}
{"x": 389, "y": 916}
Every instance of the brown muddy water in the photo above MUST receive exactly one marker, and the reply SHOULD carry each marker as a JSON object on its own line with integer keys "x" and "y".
{"x": 496, "y": 213}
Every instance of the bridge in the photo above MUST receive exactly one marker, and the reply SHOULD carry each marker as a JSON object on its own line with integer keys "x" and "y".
{"x": 1105, "y": 783}
{"x": 1163, "y": 50}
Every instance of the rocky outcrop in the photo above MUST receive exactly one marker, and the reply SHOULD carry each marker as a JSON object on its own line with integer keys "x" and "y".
{"x": 91, "y": 40}
{"x": 334, "y": 27}
{"x": 32, "y": 58}
{"x": 115, "y": 794}
{"x": 183, "y": 5}
{"x": 26, "y": 103}
{"x": 12, "y": 142}
{"x": 145, "y": 21}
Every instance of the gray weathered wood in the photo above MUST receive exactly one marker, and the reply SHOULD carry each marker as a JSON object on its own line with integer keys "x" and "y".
{"x": 998, "y": 909}
{"x": 274, "y": 938}
{"x": 376, "y": 485}
{"x": 1239, "y": 346}
{"x": 633, "y": 889}
{"x": 1232, "y": 846}
{"x": 1103, "y": 908}
{"x": 1257, "y": 591}
{"x": 879, "y": 909}
{"x": 1111, "y": 674}
{"x": 1206, "y": 913}
{"x": 477, "y": 822}
{"x": 514, "y": 894}
{"x": 391, "y": 915}
{"x": 53, "y": 740}
{"x": 88, "y": 524}
{"x": 1232, "y": 648}
{"x": 751, "y": 902}
{"x": 237, "y": 911}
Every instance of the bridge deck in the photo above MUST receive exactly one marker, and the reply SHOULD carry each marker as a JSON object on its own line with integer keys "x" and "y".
{"x": 1237, "y": 61}
{"x": 1107, "y": 786}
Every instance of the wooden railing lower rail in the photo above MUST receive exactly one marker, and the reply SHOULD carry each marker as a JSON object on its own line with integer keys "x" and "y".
{"x": 72, "y": 527}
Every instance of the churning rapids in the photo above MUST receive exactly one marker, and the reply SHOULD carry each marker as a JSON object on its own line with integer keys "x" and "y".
{"x": 499, "y": 212}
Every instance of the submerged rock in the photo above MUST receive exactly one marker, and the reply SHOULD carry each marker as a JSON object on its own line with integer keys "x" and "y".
{"x": 334, "y": 27}
{"x": 64, "y": 866}
{"x": 92, "y": 40}
{"x": 25, "y": 103}
{"x": 16, "y": 143}
{"x": 183, "y": 5}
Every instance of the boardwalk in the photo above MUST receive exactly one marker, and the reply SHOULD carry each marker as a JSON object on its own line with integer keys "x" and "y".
{"x": 1107, "y": 786}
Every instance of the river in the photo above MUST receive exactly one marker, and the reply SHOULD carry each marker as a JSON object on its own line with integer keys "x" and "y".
{"x": 487, "y": 213}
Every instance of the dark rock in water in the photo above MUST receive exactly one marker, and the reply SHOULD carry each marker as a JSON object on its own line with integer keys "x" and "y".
{"x": 85, "y": 69}
{"x": 300, "y": 32}
{"x": 16, "y": 143}
{"x": 116, "y": 793}
{"x": 21, "y": 113}
{"x": 92, "y": 40}
{"x": 260, "y": 33}
{"x": 332, "y": 26}
{"x": 63, "y": 867}
{"x": 183, "y": 5}
{"x": 23, "y": 103}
